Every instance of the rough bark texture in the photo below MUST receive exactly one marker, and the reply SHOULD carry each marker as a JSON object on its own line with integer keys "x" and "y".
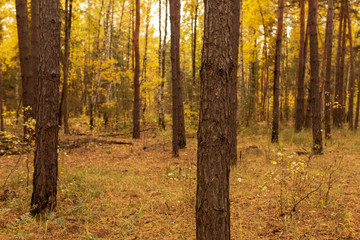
{"x": 327, "y": 83}
{"x": 299, "y": 115}
{"x": 351, "y": 91}
{"x": 315, "y": 81}
{"x": 276, "y": 116}
{"x": 46, "y": 157}
{"x": 28, "y": 96}
{"x": 215, "y": 133}
{"x": 136, "y": 110}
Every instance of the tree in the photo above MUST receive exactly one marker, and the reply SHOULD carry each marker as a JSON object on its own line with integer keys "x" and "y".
{"x": 275, "y": 126}
{"x": 136, "y": 109}
{"x": 35, "y": 48}
{"x": 64, "y": 94}
{"x": 46, "y": 158}
{"x": 327, "y": 84}
{"x": 299, "y": 116}
{"x": 28, "y": 96}
{"x": 217, "y": 78}
{"x": 178, "y": 138}
{"x": 314, "y": 82}
{"x": 1, "y": 98}
{"x": 350, "y": 116}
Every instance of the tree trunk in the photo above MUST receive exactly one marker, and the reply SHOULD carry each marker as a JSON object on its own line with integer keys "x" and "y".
{"x": 175, "y": 73}
{"x": 35, "y": 48}
{"x": 275, "y": 126}
{"x": 63, "y": 112}
{"x": 28, "y": 96}
{"x": 178, "y": 105}
{"x": 45, "y": 176}
{"x": 314, "y": 82}
{"x": 350, "y": 116}
{"x": 299, "y": 116}
{"x": 357, "y": 103}
{"x": 327, "y": 83}
{"x": 337, "y": 113}
{"x": 217, "y": 74}
{"x": 136, "y": 110}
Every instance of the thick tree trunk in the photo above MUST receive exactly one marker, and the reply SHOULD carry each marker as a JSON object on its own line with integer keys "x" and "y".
{"x": 275, "y": 126}
{"x": 315, "y": 82}
{"x": 351, "y": 91}
{"x": 64, "y": 95}
{"x": 215, "y": 134}
{"x": 136, "y": 109}
{"x": 327, "y": 83}
{"x": 28, "y": 96}
{"x": 299, "y": 115}
{"x": 45, "y": 176}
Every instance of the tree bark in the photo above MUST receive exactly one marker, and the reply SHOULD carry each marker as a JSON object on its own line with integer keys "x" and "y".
{"x": 299, "y": 116}
{"x": 337, "y": 113}
{"x": 28, "y": 96}
{"x": 136, "y": 110}
{"x": 63, "y": 112}
{"x": 315, "y": 82}
{"x": 45, "y": 176}
{"x": 327, "y": 83}
{"x": 275, "y": 126}
{"x": 35, "y": 48}
{"x": 350, "y": 116}
{"x": 1, "y": 96}
{"x": 217, "y": 75}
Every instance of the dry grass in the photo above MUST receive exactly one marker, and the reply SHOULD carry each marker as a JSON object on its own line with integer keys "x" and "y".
{"x": 141, "y": 192}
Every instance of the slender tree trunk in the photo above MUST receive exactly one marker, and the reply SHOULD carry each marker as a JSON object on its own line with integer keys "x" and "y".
{"x": 242, "y": 91}
{"x": 63, "y": 112}
{"x": 136, "y": 110}
{"x": 215, "y": 133}
{"x": 315, "y": 82}
{"x": 45, "y": 176}
{"x": 275, "y": 126}
{"x": 337, "y": 116}
{"x": 299, "y": 116}
{"x": 161, "y": 70}
{"x": 35, "y": 48}
{"x": 194, "y": 40}
{"x": 351, "y": 93}
{"x": 357, "y": 103}
{"x": 28, "y": 95}
{"x": 327, "y": 84}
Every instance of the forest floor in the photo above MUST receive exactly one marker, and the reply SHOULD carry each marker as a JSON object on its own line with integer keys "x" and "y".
{"x": 139, "y": 191}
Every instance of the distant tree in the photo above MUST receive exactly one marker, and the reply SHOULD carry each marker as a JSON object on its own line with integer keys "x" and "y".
{"x": 350, "y": 116}
{"x": 215, "y": 134}
{"x": 299, "y": 115}
{"x": 136, "y": 109}
{"x": 315, "y": 82}
{"x": 178, "y": 138}
{"x": 46, "y": 158}
{"x": 276, "y": 108}
{"x": 1, "y": 98}
{"x": 327, "y": 84}
{"x": 28, "y": 96}
{"x": 63, "y": 112}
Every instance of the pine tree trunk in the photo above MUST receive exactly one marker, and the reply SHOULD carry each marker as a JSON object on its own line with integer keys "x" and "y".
{"x": 300, "y": 99}
{"x": 337, "y": 112}
{"x": 35, "y": 48}
{"x": 28, "y": 95}
{"x": 315, "y": 82}
{"x": 350, "y": 116}
{"x": 45, "y": 176}
{"x": 327, "y": 83}
{"x": 63, "y": 112}
{"x": 275, "y": 126}
{"x": 215, "y": 134}
{"x": 136, "y": 110}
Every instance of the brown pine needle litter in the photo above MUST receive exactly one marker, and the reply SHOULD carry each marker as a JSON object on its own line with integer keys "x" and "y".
{"x": 139, "y": 191}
